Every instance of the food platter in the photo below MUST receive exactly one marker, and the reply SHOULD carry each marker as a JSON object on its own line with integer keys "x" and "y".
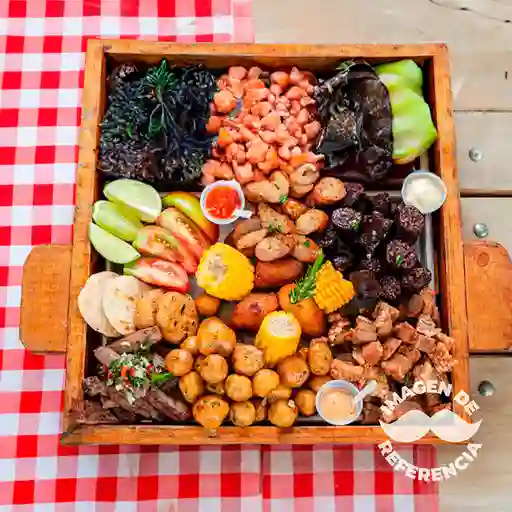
{"x": 440, "y": 245}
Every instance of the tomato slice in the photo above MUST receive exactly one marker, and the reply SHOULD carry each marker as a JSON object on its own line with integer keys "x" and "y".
{"x": 184, "y": 230}
{"x": 159, "y": 273}
{"x": 161, "y": 243}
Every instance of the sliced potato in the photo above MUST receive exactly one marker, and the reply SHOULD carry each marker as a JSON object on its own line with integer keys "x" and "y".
{"x": 90, "y": 303}
{"x": 120, "y": 300}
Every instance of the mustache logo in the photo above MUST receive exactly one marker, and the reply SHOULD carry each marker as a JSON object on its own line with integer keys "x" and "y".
{"x": 445, "y": 424}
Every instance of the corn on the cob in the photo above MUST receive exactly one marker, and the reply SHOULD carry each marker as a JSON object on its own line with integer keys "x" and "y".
{"x": 278, "y": 336}
{"x": 332, "y": 291}
{"x": 225, "y": 273}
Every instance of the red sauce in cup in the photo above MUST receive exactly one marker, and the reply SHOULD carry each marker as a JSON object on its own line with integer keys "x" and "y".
{"x": 221, "y": 202}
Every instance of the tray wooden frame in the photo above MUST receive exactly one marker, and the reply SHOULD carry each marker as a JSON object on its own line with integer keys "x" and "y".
{"x": 450, "y": 248}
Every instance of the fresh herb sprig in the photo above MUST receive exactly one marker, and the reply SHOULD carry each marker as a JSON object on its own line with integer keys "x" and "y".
{"x": 305, "y": 286}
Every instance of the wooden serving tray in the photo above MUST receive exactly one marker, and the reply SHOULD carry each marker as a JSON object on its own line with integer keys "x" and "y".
{"x": 450, "y": 255}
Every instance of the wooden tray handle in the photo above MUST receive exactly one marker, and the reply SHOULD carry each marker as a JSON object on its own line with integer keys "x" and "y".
{"x": 44, "y": 298}
{"x": 489, "y": 296}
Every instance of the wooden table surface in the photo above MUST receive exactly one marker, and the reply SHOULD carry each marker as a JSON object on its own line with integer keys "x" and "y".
{"x": 479, "y": 36}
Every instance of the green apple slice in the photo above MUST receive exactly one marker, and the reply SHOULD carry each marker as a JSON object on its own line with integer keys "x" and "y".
{"x": 116, "y": 219}
{"x": 110, "y": 247}
{"x": 142, "y": 199}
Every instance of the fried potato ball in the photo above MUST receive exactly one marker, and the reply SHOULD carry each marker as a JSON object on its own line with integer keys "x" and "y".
{"x": 238, "y": 387}
{"x": 179, "y": 362}
{"x": 247, "y": 359}
{"x": 210, "y": 411}
{"x": 306, "y": 402}
{"x": 242, "y": 414}
{"x": 294, "y": 371}
{"x": 213, "y": 369}
{"x": 191, "y": 386}
{"x": 283, "y": 413}
{"x": 265, "y": 381}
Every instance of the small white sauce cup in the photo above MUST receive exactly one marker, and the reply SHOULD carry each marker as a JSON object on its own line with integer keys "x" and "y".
{"x": 434, "y": 179}
{"x": 342, "y": 385}
{"x": 238, "y": 213}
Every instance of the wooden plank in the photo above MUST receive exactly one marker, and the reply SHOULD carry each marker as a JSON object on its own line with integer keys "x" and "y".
{"x": 491, "y": 133}
{"x": 155, "y": 434}
{"x": 44, "y": 298}
{"x": 489, "y": 296}
{"x": 86, "y": 193}
{"x": 481, "y": 73}
{"x": 492, "y": 211}
{"x": 451, "y": 277}
{"x": 485, "y": 484}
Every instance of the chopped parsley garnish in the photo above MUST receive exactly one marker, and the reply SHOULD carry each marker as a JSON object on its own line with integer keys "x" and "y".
{"x": 399, "y": 259}
{"x": 133, "y": 373}
{"x": 277, "y": 228}
{"x": 307, "y": 243}
{"x": 283, "y": 199}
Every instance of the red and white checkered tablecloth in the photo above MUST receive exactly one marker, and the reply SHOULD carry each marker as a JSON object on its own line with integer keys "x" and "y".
{"x": 42, "y": 46}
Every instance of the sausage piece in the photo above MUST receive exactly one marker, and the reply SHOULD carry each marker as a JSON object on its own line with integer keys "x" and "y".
{"x": 274, "y": 247}
{"x": 251, "y": 239}
{"x": 276, "y": 273}
{"x": 293, "y": 208}
{"x": 311, "y": 221}
{"x": 275, "y": 221}
{"x": 305, "y": 249}
{"x": 327, "y": 191}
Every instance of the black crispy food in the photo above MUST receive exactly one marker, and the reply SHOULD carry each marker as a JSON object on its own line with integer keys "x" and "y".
{"x": 382, "y": 203}
{"x": 401, "y": 255}
{"x": 416, "y": 279}
{"x": 355, "y": 111}
{"x": 328, "y": 239}
{"x": 353, "y": 193}
{"x": 375, "y": 229}
{"x": 347, "y": 221}
{"x": 343, "y": 260}
{"x": 390, "y": 289}
{"x": 367, "y": 289}
{"x": 410, "y": 222}
{"x": 373, "y": 265}
{"x": 154, "y": 127}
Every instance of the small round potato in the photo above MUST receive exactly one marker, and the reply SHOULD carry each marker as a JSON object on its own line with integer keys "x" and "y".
{"x": 238, "y": 387}
{"x": 294, "y": 371}
{"x": 319, "y": 356}
{"x": 191, "y": 386}
{"x": 283, "y": 413}
{"x": 210, "y": 411}
{"x": 242, "y": 414}
{"x": 306, "y": 402}
{"x": 264, "y": 382}
{"x": 191, "y": 344}
{"x": 247, "y": 359}
{"x": 260, "y": 404}
{"x": 213, "y": 368}
{"x": 207, "y": 305}
{"x": 179, "y": 362}
{"x": 317, "y": 382}
{"x": 280, "y": 393}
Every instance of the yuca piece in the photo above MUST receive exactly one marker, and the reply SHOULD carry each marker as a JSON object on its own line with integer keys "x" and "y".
{"x": 119, "y": 302}
{"x": 90, "y": 303}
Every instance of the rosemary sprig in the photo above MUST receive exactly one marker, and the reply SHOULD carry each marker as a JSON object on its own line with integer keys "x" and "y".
{"x": 305, "y": 286}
